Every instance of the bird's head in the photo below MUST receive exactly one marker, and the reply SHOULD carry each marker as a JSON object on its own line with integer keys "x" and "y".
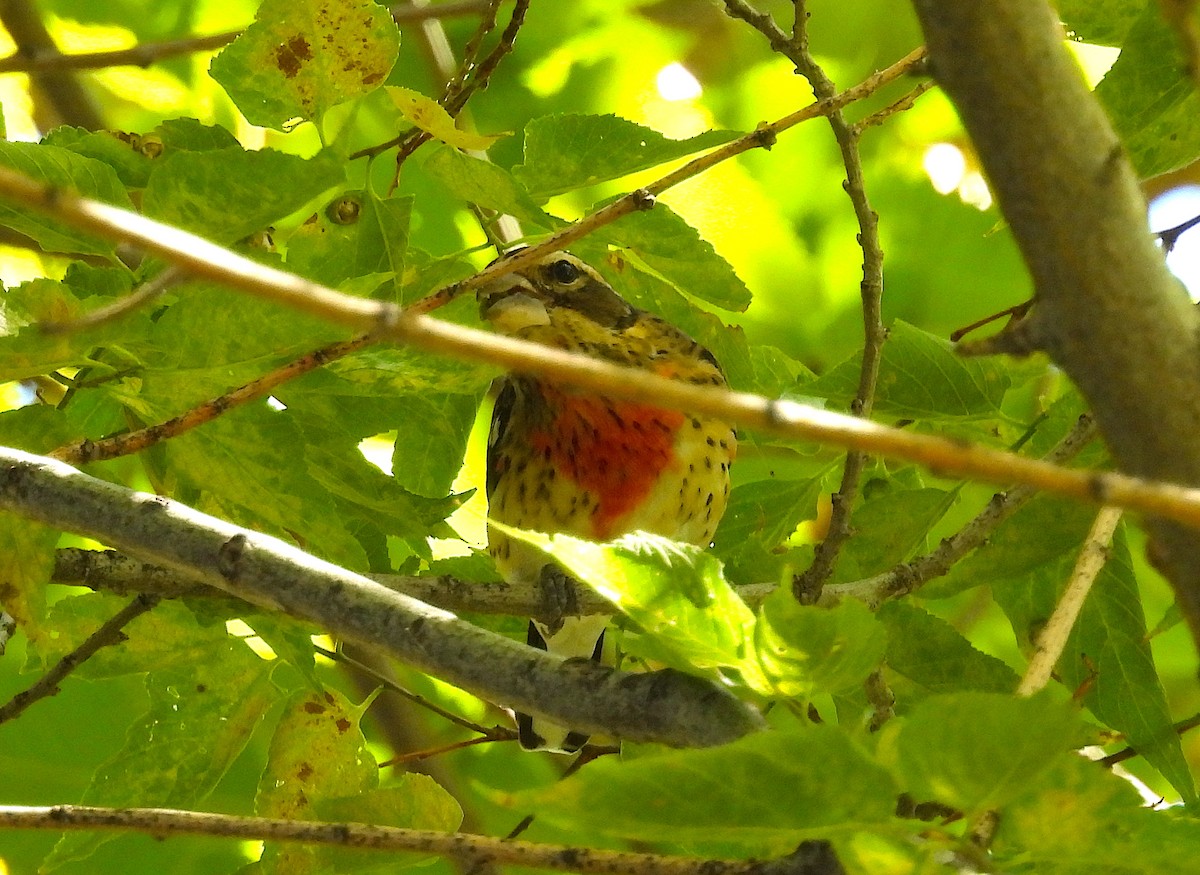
{"x": 558, "y": 300}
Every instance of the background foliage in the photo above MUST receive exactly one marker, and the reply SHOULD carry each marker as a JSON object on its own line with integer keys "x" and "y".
{"x": 374, "y": 461}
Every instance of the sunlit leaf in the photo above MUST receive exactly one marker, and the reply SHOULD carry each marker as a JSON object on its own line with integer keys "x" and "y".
{"x": 300, "y": 57}
{"x": 429, "y": 115}
{"x": 767, "y": 791}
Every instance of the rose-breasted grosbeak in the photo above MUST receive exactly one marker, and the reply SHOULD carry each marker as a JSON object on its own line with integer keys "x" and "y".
{"x": 562, "y": 460}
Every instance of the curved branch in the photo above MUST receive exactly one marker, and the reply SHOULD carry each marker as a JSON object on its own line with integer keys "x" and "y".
{"x": 664, "y": 706}
{"x": 1113, "y": 316}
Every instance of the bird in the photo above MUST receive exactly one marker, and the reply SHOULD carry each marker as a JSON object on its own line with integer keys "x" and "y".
{"x": 564, "y": 460}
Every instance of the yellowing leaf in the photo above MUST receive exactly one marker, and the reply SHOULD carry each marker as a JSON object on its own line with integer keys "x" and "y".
{"x": 428, "y": 115}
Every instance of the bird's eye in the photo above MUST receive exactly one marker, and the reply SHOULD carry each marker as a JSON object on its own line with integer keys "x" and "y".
{"x": 564, "y": 272}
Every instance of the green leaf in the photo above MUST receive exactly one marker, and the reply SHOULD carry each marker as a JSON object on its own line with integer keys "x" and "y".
{"x": 357, "y": 234}
{"x": 317, "y": 755}
{"x": 767, "y": 512}
{"x": 227, "y": 194}
{"x": 28, "y": 351}
{"x": 431, "y": 117}
{"x": 202, "y": 713}
{"x": 131, "y": 165}
{"x": 765, "y": 793}
{"x": 300, "y": 57}
{"x": 487, "y": 185}
{"x": 804, "y": 650}
{"x": 929, "y": 651}
{"x": 26, "y": 561}
{"x": 1109, "y": 655}
{"x": 920, "y": 377}
{"x": 566, "y": 152}
{"x": 978, "y": 751}
{"x": 430, "y": 441}
{"x": 674, "y": 250}
{"x": 1083, "y": 819}
{"x": 60, "y": 168}
{"x": 890, "y": 528}
{"x": 213, "y": 467}
{"x": 1151, "y": 98}
{"x": 674, "y": 592}
{"x": 416, "y": 802}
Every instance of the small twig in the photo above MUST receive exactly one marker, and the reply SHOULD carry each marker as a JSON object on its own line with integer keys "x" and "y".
{"x": 807, "y": 585}
{"x": 145, "y": 54}
{"x": 1129, "y": 753}
{"x": 161, "y": 822}
{"x": 84, "y": 451}
{"x": 144, "y": 294}
{"x": 108, "y": 634}
{"x": 493, "y": 732}
{"x": 912, "y": 575}
{"x": 499, "y": 735}
{"x": 1171, "y": 236}
{"x": 1053, "y": 638}
{"x": 904, "y": 104}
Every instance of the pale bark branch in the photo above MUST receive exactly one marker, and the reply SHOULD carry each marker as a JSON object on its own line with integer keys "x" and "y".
{"x": 790, "y": 419}
{"x": 664, "y": 706}
{"x": 1052, "y": 640}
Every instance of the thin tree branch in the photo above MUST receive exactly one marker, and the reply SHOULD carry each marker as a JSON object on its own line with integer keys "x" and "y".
{"x": 664, "y": 706}
{"x": 1171, "y": 236}
{"x": 787, "y": 418}
{"x": 811, "y": 858}
{"x": 145, "y": 54}
{"x": 912, "y": 575}
{"x": 1053, "y": 637}
{"x": 84, "y": 451}
{"x": 1111, "y": 314}
{"x": 108, "y": 634}
{"x": 1128, "y": 753}
{"x": 807, "y": 585}
{"x": 904, "y": 104}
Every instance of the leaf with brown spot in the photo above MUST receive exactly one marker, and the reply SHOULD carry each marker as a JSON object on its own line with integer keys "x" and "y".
{"x": 300, "y": 57}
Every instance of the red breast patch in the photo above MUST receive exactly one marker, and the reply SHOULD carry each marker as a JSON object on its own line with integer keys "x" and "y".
{"x": 615, "y": 450}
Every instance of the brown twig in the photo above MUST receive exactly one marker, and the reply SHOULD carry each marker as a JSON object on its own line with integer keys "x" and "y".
{"x": 474, "y": 849}
{"x": 807, "y": 585}
{"x": 904, "y": 104}
{"x": 912, "y": 575}
{"x": 493, "y": 732}
{"x": 108, "y": 634}
{"x": 84, "y": 451}
{"x": 1129, "y": 753}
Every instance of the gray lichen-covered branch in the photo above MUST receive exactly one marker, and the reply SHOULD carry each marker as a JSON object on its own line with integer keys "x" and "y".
{"x": 663, "y": 706}
{"x": 1107, "y": 310}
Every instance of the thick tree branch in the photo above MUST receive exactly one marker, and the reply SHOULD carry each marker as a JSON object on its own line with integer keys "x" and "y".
{"x": 1113, "y": 317}
{"x": 663, "y": 706}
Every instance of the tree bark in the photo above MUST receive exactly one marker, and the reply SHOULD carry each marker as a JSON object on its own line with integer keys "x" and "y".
{"x": 1107, "y": 310}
